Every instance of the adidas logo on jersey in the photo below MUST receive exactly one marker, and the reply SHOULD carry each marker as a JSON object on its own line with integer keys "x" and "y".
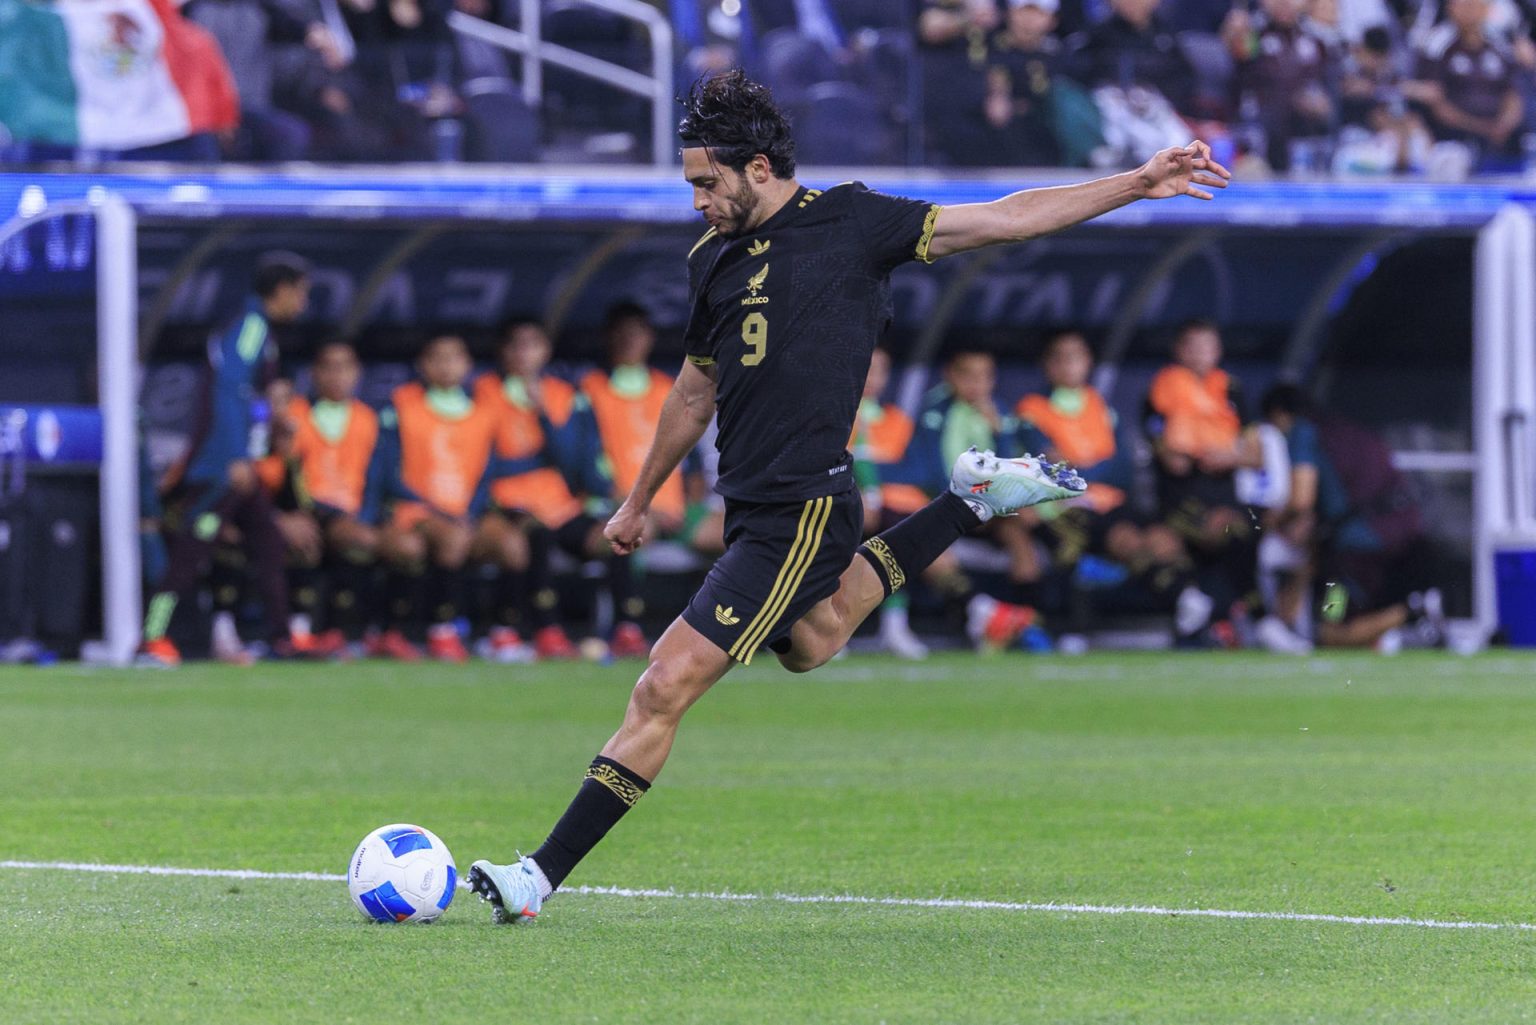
{"x": 727, "y": 616}
{"x": 759, "y": 247}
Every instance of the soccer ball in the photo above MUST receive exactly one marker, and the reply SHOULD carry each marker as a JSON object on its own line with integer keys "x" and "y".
{"x": 402, "y": 873}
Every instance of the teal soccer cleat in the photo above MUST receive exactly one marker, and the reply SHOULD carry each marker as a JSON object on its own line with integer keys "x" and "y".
{"x": 512, "y": 890}
{"x": 1001, "y": 487}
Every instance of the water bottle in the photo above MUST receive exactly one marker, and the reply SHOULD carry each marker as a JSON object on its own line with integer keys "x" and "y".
{"x": 259, "y": 437}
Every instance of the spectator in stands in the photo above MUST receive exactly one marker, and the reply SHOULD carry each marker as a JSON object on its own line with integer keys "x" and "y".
{"x": 1097, "y": 544}
{"x": 626, "y": 402}
{"x": 405, "y": 51}
{"x": 431, "y": 464}
{"x": 319, "y": 471}
{"x": 1466, "y": 83}
{"x": 217, "y": 485}
{"x": 1142, "y": 81}
{"x": 1286, "y": 68}
{"x": 1350, "y": 514}
{"x": 1379, "y": 133}
{"x": 1021, "y": 88}
{"x": 545, "y": 442}
{"x": 958, "y": 413}
{"x": 954, "y": 50}
{"x": 1193, "y": 417}
{"x": 250, "y": 32}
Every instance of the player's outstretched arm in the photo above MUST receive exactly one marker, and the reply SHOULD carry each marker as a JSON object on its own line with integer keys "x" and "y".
{"x": 1176, "y": 171}
{"x": 684, "y": 417}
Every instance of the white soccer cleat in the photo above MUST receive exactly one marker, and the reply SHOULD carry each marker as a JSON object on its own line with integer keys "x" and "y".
{"x": 513, "y": 890}
{"x": 1001, "y": 487}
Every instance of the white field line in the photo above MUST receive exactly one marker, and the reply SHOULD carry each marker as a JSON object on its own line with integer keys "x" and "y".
{"x": 790, "y": 898}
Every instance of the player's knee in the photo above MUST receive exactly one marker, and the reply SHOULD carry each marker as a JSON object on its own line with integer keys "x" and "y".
{"x": 666, "y": 688}
{"x": 809, "y": 653}
{"x": 404, "y": 549}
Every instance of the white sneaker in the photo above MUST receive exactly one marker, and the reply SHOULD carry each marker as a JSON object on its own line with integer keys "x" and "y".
{"x": 1193, "y": 611}
{"x": 1275, "y": 636}
{"x": 513, "y": 890}
{"x": 1001, "y": 487}
{"x": 897, "y": 638}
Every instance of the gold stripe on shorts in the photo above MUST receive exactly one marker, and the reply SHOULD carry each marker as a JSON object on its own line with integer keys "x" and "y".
{"x": 813, "y": 521}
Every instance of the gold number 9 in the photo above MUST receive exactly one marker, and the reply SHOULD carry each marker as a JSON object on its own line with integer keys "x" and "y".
{"x": 754, "y": 335}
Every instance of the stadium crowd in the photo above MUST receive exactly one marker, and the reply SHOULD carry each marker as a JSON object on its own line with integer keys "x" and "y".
{"x": 466, "y": 513}
{"x": 1439, "y": 87}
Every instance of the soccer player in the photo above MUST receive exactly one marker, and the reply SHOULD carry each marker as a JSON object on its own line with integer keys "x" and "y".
{"x": 432, "y": 457}
{"x": 218, "y": 484}
{"x": 960, "y": 413}
{"x": 1070, "y": 420}
{"x": 790, "y": 289}
{"x": 544, "y": 442}
{"x": 328, "y": 447}
{"x": 627, "y": 402}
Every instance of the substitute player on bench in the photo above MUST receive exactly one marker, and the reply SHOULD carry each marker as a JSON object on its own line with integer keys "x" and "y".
{"x": 790, "y": 292}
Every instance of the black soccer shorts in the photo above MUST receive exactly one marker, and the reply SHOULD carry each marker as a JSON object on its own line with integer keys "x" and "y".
{"x": 780, "y": 559}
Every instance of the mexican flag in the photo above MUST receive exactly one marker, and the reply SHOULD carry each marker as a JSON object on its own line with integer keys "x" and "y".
{"x": 109, "y": 74}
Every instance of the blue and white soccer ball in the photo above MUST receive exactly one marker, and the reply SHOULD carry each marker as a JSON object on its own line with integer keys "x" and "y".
{"x": 402, "y": 873}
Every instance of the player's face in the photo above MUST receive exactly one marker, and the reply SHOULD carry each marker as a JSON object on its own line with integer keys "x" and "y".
{"x": 445, "y": 363}
{"x": 726, "y": 199}
{"x": 1283, "y": 12}
{"x": 1468, "y": 15}
{"x": 336, "y": 373}
{"x": 630, "y": 342}
{"x": 879, "y": 375}
{"x": 1068, "y": 363}
{"x": 973, "y": 378}
{"x": 1199, "y": 349}
{"x": 526, "y": 352}
{"x": 289, "y": 301}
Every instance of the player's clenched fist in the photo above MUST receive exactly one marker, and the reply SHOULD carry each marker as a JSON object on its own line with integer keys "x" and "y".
{"x": 626, "y": 529}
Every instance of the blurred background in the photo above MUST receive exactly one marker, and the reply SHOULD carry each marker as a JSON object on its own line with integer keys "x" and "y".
{"x": 458, "y": 168}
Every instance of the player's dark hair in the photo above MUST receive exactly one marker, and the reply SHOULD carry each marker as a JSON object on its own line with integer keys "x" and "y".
{"x": 1192, "y": 325}
{"x": 335, "y": 343}
{"x": 737, "y": 119}
{"x": 1055, "y": 338}
{"x": 274, "y": 270}
{"x": 519, "y": 320}
{"x": 623, "y": 310}
{"x": 446, "y": 338}
{"x": 1284, "y": 398}
{"x": 1377, "y": 40}
{"x": 966, "y": 351}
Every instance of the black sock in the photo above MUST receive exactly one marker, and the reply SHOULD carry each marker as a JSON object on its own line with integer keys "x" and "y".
{"x": 608, "y": 791}
{"x": 304, "y": 593}
{"x": 445, "y": 594}
{"x": 350, "y": 578}
{"x": 909, "y": 547}
{"x": 628, "y": 605}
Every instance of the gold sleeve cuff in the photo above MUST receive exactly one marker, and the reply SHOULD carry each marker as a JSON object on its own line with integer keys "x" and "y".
{"x": 701, "y": 361}
{"x": 926, "y": 238}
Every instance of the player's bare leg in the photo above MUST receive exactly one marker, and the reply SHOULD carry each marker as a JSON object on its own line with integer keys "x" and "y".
{"x": 683, "y": 665}
{"x": 981, "y": 486}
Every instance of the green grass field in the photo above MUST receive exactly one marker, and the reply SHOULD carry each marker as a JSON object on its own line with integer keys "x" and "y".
{"x": 1350, "y": 786}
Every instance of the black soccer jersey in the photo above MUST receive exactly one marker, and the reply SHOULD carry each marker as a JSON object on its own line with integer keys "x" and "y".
{"x": 788, "y": 316}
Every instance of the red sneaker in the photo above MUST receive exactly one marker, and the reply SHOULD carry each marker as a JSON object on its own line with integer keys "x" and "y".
{"x": 551, "y": 642}
{"x": 445, "y": 645}
{"x": 331, "y": 644}
{"x": 391, "y": 644}
{"x": 159, "y": 653}
{"x": 629, "y": 642}
{"x": 994, "y": 624}
{"x": 505, "y": 645}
